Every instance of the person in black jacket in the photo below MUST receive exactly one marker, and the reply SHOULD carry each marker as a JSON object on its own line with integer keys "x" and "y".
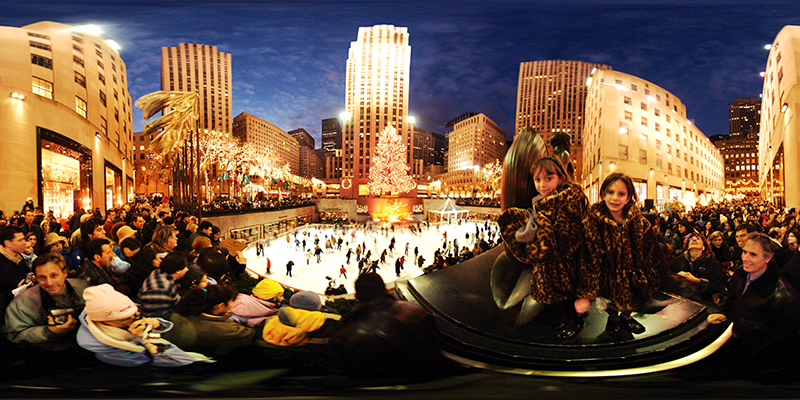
{"x": 765, "y": 310}
{"x": 700, "y": 273}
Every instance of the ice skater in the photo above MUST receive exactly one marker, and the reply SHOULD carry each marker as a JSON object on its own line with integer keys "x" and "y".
{"x": 343, "y": 272}
{"x": 289, "y": 266}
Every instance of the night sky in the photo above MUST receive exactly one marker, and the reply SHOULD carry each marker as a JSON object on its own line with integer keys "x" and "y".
{"x": 289, "y": 58}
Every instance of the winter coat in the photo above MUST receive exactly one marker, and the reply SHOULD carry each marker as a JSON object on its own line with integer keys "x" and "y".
{"x": 707, "y": 268}
{"x": 555, "y": 251}
{"x": 117, "y": 346}
{"x": 26, "y": 316}
{"x": 625, "y": 260}
{"x": 214, "y": 335}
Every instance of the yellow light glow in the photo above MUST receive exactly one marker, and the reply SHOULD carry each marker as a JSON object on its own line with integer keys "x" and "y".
{"x": 114, "y": 45}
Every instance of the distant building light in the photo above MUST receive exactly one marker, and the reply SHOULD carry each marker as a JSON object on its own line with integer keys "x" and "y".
{"x": 18, "y": 96}
{"x": 651, "y": 99}
{"x": 767, "y": 46}
{"x": 99, "y": 136}
{"x": 784, "y": 107}
{"x": 762, "y": 73}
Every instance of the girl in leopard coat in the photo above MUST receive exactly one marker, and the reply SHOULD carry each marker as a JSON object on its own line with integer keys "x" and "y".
{"x": 549, "y": 237}
{"x": 623, "y": 253}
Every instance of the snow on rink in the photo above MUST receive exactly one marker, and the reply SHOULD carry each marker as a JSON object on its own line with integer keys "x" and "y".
{"x": 312, "y": 276}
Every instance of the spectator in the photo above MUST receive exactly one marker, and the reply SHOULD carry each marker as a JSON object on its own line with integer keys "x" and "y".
{"x": 699, "y": 271}
{"x": 301, "y": 322}
{"x": 200, "y": 243}
{"x": 165, "y": 240}
{"x": 384, "y": 337}
{"x": 159, "y": 292}
{"x": 265, "y": 300}
{"x": 721, "y": 250}
{"x": 31, "y": 227}
{"x": 112, "y": 329}
{"x": 202, "y": 322}
{"x": 46, "y": 314}
{"x": 96, "y": 268}
{"x": 763, "y": 307}
{"x": 215, "y": 264}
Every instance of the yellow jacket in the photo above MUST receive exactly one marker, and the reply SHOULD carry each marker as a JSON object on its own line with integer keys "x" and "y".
{"x": 293, "y": 332}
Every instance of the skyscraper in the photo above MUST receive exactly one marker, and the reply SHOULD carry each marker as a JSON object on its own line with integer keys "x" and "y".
{"x": 376, "y": 95}
{"x": 745, "y": 115}
{"x": 331, "y": 134}
{"x": 285, "y": 148}
{"x": 739, "y": 149}
{"x": 201, "y": 68}
{"x": 308, "y": 158}
{"x": 476, "y": 141}
{"x": 551, "y": 97}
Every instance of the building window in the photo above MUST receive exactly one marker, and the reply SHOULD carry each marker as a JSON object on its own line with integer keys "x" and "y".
{"x": 658, "y": 144}
{"x": 102, "y": 98}
{"x": 623, "y": 152}
{"x": 634, "y": 88}
{"x": 80, "y": 106}
{"x": 658, "y": 127}
{"x": 644, "y": 106}
{"x": 644, "y": 121}
{"x": 42, "y": 61}
{"x": 102, "y": 78}
{"x": 42, "y": 88}
{"x": 77, "y": 48}
{"x": 628, "y": 116}
{"x": 38, "y": 35}
{"x": 38, "y": 45}
{"x": 104, "y": 125}
{"x": 80, "y": 79}
{"x": 656, "y": 112}
{"x": 618, "y": 81}
{"x": 626, "y": 100}
{"x": 643, "y": 156}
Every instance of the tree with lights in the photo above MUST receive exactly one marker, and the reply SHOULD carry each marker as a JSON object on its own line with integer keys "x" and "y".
{"x": 389, "y": 171}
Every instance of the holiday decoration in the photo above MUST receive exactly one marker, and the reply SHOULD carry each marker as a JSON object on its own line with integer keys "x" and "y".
{"x": 389, "y": 172}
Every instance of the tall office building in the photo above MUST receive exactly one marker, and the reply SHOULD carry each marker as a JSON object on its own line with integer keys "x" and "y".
{"x": 638, "y": 128}
{"x": 66, "y": 135}
{"x": 285, "y": 148}
{"x": 308, "y": 158}
{"x": 476, "y": 141}
{"x": 739, "y": 149}
{"x": 439, "y": 148}
{"x": 551, "y": 97}
{"x": 201, "y": 68}
{"x": 745, "y": 117}
{"x": 376, "y": 95}
{"x": 331, "y": 134}
{"x": 423, "y": 147}
{"x": 779, "y": 134}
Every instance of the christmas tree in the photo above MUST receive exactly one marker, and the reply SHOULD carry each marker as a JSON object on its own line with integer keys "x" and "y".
{"x": 389, "y": 171}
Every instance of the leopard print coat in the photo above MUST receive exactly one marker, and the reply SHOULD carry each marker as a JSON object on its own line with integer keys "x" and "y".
{"x": 624, "y": 259}
{"x": 556, "y": 251}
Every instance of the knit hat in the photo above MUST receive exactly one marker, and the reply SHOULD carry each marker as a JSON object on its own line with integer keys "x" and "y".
{"x": 125, "y": 232}
{"x": 53, "y": 238}
{"x": 267, "y": 289}
{"x": 103, "y": 303}
{"x": 306, "y": 300}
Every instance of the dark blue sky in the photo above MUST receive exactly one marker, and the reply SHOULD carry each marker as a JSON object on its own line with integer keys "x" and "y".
{"x": 289, "y": 58}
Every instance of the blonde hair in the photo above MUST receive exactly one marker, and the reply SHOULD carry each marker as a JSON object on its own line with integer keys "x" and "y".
{"x": 200, "y": 243}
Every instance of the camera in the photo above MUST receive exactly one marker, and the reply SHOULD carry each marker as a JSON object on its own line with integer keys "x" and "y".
{"x": 61, "y": 315}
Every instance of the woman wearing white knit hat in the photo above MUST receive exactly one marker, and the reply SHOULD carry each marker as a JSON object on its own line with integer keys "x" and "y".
{"x": 111, "y": 328}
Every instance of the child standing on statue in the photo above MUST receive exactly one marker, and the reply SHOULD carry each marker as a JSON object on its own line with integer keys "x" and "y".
{"x": 624, "y": 255}
{"x": 549, "y": 237}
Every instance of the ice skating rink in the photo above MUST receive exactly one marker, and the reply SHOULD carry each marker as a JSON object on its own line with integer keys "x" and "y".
{"x": 311, "y": 276}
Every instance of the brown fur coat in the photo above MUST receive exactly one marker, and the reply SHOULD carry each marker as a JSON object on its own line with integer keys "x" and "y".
{"x": 624, "y": 259}
{"x": 555, "y": 253}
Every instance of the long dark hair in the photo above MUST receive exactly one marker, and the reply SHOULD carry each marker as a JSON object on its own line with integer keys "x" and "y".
{"x": 626, "y": 180}
{"x": 198, "y": 301}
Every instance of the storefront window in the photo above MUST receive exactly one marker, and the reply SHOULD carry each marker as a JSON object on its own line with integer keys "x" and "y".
{"x": 641, "y": 190}
{"x": 66, "y": 174}
{"x": 131, "y": 194}
{"x": 113, "y": 185}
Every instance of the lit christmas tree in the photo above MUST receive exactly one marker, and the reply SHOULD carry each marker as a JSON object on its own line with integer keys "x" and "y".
{"x": 389, "y": 171}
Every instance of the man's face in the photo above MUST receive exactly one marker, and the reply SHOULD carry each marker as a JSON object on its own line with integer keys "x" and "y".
{"x": 110, "y": 216}
{"x": 98, "y": 232}
{"x": 16, "y": 245}
{"x": 29, "y": 217}
{"x": 207, "y": 232}
{"x": 741, "y": 237}
{"x": 51, "y": 278}
{"x": 138, "y": 223}
{"x": 104, "y": 259}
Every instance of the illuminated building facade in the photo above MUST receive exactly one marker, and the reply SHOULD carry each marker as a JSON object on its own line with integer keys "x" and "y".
{"x": 551, "y": 97}
{"x": 66, "y": 113}
{"x": 286, "y": 149}
{"x": 476, "y": 140}
{"x": 376, "y": 95}
{"x": 202, "y": 69}
{"x": 779, "y": 134}
{"x": 640, "y": 129}
{"x": 740, "y": 148}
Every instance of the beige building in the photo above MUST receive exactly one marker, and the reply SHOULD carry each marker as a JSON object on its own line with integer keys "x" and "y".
{"x": 551, "y": 97}
{"x": 778, "y": 146}
{"x": 201, "y": 68}
{"x": 476, "y": 140}
{"x": 640, "y": 129}
{"x": 66, "y": 115}
{"x": 148, "y": 181}
{"x": 251, "y": 129}
{"x": 376, "y": 95}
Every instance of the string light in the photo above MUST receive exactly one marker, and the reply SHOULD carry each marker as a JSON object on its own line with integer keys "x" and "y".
{"x": 389, "y": 171}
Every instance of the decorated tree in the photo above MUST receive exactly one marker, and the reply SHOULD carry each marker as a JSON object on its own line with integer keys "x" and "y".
{"x": 389, "y": 171}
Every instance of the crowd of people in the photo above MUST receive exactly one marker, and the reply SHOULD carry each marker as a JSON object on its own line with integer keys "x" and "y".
{"x": 221, "y": 207}
{"x": 143, "y": 286}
